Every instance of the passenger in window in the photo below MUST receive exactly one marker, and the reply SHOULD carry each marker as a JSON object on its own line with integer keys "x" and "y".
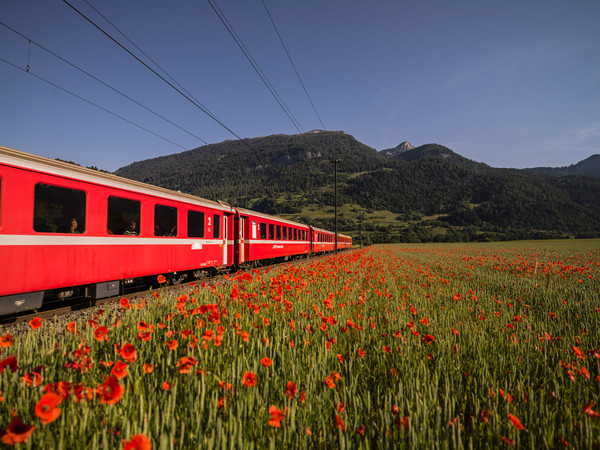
{"x": 131, "y": 230}
{"x": 73, "y": 226}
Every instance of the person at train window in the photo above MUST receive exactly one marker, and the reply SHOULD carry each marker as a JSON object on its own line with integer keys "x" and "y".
{"x": 73, "y": 226}
{"x": 131, "y": 230}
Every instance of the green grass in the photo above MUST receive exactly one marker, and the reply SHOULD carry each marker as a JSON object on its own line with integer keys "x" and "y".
{"x": 506, "y": 322}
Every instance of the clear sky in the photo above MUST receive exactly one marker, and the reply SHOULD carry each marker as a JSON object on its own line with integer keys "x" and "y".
{"x": 512, "y": 83}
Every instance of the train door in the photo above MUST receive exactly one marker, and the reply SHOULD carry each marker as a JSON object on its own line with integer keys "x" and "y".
{"x": 224, "y": 239}
{"x": 243, "y": 221}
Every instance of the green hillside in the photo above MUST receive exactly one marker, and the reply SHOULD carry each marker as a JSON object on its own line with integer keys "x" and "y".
{"x": 427, "y": 193}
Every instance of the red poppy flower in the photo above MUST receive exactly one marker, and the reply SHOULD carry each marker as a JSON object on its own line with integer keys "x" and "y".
{"x": 266, "y": 362}
{"x": 10, "y": 362}
{"x": 277, "y": 415}
{"x": 148, "y": 368}
{"x": 71, "y": 327}
{"x": 137, "y": 442}
{"x": 119, "y": 371}
{"x": 339, "y": 423}
{"x": 428, "y": 339}
{"x": 249, "y": 379}
{"x": 329, "y": 382}
{"x": 166, "y": 386}
{"x": 128, "y": 353}
{"x": 516, "y": 422}
{"x": 291, "y": 389}
{"x": 186, "y": 363}
{"x": 6, "y": 341}
{"x": 360, "y": 352}
{"x": 161, "y": 279}
{"x": 46, "y": 409}
{"x": 508, "y": 441}
{"x": 124, "y": 302}
{"x": 111, "y": 391}
{"x": 579, "y": 353}
{"x": 35, "y": 323}
{"x": 100, "y": 333}
{"x": 143, "y": 326}
{"x": 82, "y": 392}
{"x": 16, "y": 432}
{"x": 590, "y": 412}
{"x": 172, "y": 344}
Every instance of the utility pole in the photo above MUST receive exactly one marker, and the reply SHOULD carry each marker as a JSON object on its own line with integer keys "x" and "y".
{"x": 335, "y": 163}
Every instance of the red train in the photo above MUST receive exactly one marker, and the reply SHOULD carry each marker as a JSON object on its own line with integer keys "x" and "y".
{"x": 66, "y": 230}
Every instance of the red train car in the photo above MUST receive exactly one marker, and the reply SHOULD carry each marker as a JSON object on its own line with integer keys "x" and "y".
{"x": 66, "y": 230}
{"x": 323, "y": 241}
{"x": 63, "y": 226}
{"x": 261, "y": 236}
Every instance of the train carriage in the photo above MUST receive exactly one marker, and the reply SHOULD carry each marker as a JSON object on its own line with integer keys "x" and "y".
{"x": 261, "y": 236}
{"x": 63, "y": 226}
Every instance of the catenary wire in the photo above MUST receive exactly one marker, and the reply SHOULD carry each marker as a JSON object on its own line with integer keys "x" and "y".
{"x": 90, "y": 102}
{"x": 292, "y": 63}
{"x": 203, "y": 109}
{"x": 145, "y": 54}
{"x": 100, "y": 81}
{"x": 254, "y": 64}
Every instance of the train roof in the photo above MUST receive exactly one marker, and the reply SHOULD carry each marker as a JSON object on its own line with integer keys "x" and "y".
{"x": 267, "y": 216}
{"x": 321, "y": 230}
{"x": 30, "y": 161}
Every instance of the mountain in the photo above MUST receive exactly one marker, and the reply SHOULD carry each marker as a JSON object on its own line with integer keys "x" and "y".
{"x": 435, "y": 151}
{"x": 589, "y": 166}
{"x": 403, "y": 147}
{"x": 409, "y": 194}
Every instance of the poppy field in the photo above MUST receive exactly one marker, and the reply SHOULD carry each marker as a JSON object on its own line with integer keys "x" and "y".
{"x": 450, "y": 346}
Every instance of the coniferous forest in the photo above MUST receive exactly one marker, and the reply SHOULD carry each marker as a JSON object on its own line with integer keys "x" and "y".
{"x": 423, "y": 194}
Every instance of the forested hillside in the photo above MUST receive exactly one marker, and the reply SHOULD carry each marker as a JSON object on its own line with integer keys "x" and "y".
{"x": 426, "y": 193}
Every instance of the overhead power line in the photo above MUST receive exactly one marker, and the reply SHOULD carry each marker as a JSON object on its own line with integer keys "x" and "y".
{"x": 292, "y": 63}
{"x": 254, "y": 64}
{"x": 187, "y": 97}
{"x": 28, "y": 70}
{"x": 99, "y": 81}
{"x": 144, "y": 53}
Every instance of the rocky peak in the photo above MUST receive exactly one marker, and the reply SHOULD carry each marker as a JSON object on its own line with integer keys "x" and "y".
{"x": 403, "y": 147}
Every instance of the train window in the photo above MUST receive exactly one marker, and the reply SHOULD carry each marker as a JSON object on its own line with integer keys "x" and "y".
{"x": 254, "y": 229}
{"x": 278, "y": 232}
{"x": 295, "y": 234}
{"x": 58, "y": 210}
{"x": 216, "y": 226}
{"x": 271, "y": 231}
{"x": 123, "y": 216}
{"x": 195, "y": 224}
{"x": 263, "y": 230}
{"x": 285, "y": 233}
{"x": 165, "y": 220}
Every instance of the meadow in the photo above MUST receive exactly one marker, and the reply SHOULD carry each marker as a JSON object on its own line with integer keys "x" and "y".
{"x": 395, "y": 346}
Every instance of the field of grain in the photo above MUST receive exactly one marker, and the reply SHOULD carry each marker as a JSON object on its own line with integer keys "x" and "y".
{"x": 443, "y": 346}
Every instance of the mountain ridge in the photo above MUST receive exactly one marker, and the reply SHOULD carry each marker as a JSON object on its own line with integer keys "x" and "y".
{"x": 423, "y": 193}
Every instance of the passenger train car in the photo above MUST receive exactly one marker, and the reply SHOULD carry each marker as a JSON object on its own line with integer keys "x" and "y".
{"x": 67, "y": 230}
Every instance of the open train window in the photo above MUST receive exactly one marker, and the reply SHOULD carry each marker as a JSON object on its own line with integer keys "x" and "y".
{"x": 285, "y": 233}
{"x": 254, "y": 229}
{"x": 278, "y": 232}
{"x": 263, "y": 230}
{"x": 271, "y": 231}
{"x": 195, "y": 224}
{"x": 165, "y": 220}
{"x": 123, "y": 216}
{"x": 295, "y": 234}
{"x": 58, "y": 210}
{"x": 216, "y": 226}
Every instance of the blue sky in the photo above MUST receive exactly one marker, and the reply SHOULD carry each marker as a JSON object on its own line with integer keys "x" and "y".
{"x": 510, "y": 83}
